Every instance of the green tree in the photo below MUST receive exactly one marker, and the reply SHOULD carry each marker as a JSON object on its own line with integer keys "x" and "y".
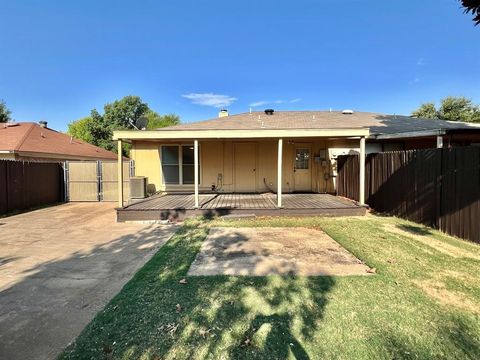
{"x": 473, "y": 7}
{"x": 157, "y": 121}
{"x": 427, "y": 111}
{"x": 452, "y": 109}
{"x": 122, "y": 114}
{"x": 4, "y": 112}
{"x": 459, "y": 109}
{"x": 79, "y": 129}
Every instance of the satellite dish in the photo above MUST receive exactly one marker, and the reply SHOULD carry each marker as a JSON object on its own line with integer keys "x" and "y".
{"x": 141, "y": 123}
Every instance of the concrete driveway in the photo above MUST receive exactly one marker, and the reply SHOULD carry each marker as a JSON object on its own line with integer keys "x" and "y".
{"x": 58, "y": 267}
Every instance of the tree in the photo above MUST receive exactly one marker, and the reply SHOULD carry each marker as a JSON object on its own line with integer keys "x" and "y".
{"x": 97, "y": 129}
{"x": 123, "y": 113}
{"x": 427, "y": 111}
{"x": 156, "y": 121}
{"x": 459, "y": 109}
{"x": 4, "y": 112}
{"x": 79, "y": 129}
{"x": 452, "y": 109}
{"x": 473, "y": 7}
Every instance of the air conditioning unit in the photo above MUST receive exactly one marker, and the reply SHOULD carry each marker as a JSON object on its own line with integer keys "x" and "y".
{"x": 138, "y": 187}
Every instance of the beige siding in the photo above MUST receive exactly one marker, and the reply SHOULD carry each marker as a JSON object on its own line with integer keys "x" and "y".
{"x": 217, "y": 159}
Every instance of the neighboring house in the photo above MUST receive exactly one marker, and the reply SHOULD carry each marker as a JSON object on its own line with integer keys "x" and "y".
{"x": 277, "y": 151}
{"x": 30, "y": 141}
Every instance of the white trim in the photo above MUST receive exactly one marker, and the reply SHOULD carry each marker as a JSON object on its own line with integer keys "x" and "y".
{"x": 362, "y": 172}
{"x": 195, "y": 171}
{"x": 237, "y": 134}
{"x": 279, "y": 172}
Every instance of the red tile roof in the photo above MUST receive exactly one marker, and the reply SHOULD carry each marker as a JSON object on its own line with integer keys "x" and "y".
{"x": 29, "y": 137}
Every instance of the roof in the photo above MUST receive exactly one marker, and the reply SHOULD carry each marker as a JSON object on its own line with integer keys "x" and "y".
{"x": 31, "y": 138}
{"x": 377, "y": 123}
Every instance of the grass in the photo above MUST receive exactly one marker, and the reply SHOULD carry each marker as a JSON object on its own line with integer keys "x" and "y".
{"x": 423, "y": 302}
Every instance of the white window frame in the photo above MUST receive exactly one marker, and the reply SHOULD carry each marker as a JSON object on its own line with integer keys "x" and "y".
{"x": 180, "y": 163}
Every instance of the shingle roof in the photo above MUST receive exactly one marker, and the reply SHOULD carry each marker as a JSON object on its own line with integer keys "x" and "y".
{"x": 32, "y": 138}
{"x": 377, "y": 123}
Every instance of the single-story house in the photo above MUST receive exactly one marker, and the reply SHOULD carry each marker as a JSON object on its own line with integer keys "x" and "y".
{"x": 29, "y": 141}
{"x": 280, "y": 152}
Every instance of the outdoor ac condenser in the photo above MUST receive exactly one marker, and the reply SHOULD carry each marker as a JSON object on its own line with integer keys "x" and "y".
{"x": 138, "y": 187}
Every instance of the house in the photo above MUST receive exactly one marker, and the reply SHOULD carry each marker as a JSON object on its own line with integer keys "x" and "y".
{"x": 29, "y": 141}
{"x": 280, "y": 152}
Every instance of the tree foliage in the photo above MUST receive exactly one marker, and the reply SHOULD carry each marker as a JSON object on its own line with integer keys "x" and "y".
{"x": 123, "y": 114}
{"x": 426, "y": 110}
{"x": 472, "y": 7}
{"x": 157, "y": 121}
{"x": 79, "y": 129}
{"x": 452, "y": 109}
{"x": 4, "y": 112}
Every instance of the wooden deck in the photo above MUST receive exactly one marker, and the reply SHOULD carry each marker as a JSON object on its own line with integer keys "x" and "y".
{"x": 179, "y": 206}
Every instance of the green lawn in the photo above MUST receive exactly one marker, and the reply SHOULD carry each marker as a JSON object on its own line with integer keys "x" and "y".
{"x": 424, "y": 302}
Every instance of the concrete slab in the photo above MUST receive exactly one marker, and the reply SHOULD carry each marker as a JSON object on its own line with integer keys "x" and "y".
{"x": 58, "y": 267}
{"x": 268, "y": 251}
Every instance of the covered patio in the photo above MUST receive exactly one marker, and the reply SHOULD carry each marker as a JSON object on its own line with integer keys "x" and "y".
{"x": 260, "y": 163}
{"x": 180, "y": 206}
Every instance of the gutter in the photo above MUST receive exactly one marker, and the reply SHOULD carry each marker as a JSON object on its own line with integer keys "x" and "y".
{"x": 409, "y": 134}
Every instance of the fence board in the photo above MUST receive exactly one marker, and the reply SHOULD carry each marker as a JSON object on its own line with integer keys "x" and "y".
{"x": 435, "y": 187}
{"x": 24, "y": 185}
{"x": 96, "y": 180}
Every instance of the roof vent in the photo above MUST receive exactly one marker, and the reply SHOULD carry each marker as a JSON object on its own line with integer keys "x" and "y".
{"x": 269, "y": 111}
{"x": 347, "y": 112}
{"x": 43, "y": 124}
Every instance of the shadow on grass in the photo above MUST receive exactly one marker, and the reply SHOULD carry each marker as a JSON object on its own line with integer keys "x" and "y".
{"x": 155, "y": 316}
{"x": 415, "y": 229}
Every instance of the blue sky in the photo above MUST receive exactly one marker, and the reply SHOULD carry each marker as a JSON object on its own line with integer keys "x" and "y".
{"x": 60, "y": 59}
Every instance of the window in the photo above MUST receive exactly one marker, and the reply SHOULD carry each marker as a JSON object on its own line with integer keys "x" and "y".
{"x": 188, "y": 164}
{"x": 302, "y": 158}
{"x": 170, "y": 165}
{"x": 178, "y": 164}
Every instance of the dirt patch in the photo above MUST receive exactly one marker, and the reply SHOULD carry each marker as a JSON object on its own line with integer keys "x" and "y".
{"x": 438, "y": 291}
{"x": 438, "y": 245}
{"x": 266, "y": 251}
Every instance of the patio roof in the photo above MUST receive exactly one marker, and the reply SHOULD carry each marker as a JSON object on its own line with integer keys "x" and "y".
{"x": 201, "y": 134}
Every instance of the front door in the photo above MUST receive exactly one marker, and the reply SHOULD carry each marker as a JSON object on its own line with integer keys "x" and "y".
{"x": 302, "y": 168}
{"x": 245, "y": 155}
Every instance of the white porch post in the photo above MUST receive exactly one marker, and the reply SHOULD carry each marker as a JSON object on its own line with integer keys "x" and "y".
{"x": 362, "y": 171}
{"x": 279, "y": 173}
{"x": 195, "y": 156}
{"x": 120, "y": 173}
{"x": 439, "y": 142}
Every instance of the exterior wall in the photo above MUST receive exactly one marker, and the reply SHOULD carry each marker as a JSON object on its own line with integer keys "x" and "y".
{"x": 217, "y": 164}
{"x": 8, "y": 156}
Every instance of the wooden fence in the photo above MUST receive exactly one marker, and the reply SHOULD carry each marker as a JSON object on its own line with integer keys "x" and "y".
{"x": 24, "y": 185}
{"x": 95, "y": 180}
{"x": 436, "y": 187}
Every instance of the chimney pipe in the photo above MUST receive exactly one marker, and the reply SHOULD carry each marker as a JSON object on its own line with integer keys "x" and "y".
{"x": 43, "y": 124}
{"x": 223, "y": 113}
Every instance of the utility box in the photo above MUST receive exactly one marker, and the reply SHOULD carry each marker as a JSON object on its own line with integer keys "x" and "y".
{"x": 138, "y": 187}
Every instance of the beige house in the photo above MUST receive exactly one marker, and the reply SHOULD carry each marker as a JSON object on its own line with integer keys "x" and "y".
{"x": 278, "y": 152}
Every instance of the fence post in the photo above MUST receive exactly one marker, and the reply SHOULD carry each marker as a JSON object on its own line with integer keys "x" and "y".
{"x": 65, "y": 180}
{"x": 99, "y": 181}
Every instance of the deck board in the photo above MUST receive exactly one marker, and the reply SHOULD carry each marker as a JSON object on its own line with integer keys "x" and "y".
{"x": 183, "y": 205}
